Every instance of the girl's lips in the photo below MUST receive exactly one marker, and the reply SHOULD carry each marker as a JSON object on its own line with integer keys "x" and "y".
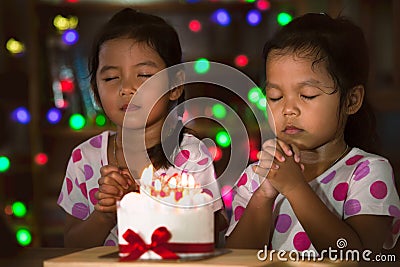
{"x": 292, "y": 130}
{"x": 130, "y": 107}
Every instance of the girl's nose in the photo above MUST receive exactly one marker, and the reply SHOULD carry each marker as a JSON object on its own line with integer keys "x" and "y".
{"x": 290, "y": 108}
{"x": 128, "y": 88}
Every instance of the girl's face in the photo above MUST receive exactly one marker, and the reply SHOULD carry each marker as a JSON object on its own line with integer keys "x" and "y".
{"x": 124, "y": 65}
{"x": 303, "y": 110}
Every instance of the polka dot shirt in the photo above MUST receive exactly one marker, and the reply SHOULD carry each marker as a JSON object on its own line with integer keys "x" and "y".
{"x": 83, "y": 172}
{"x": 360, "y": 183}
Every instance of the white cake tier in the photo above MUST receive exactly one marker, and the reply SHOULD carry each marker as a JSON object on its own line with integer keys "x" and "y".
{"x": 189, "y": 227}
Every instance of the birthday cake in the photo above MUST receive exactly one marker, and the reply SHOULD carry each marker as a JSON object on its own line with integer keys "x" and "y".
{"x": 170, "y": 218}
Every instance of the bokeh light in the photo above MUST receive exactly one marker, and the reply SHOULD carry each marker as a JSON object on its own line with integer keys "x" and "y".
{"x": 41, "y": 159}
{"x": 101, "y": 120}
{"x": 222, "y": 17}
{"x": 77, "y": 122}
{"x": 241, "y": 61}
{"x": 19, "y": 209}
{"x": 223, "y": 139}
{"x": 201, "y": 66}
{"x": 254, "y": 17}
{"x": 21, "y": 115}
{"x": 4, "y": 164}
{"x": 219, "y": 111}
{"x": 263, "y": 5}
{"x": 227, "y": 196}
{"x": 53, "y": 115}
{"x": 23, "y": 236}
{"x": 195, "y": 25}
{"x": 70, "y": 37}
{"x": 15, "y": 47}
{"x": 216, "y": 152}
{"x": 254, "y": 95}
{"x": 284, "y": 18}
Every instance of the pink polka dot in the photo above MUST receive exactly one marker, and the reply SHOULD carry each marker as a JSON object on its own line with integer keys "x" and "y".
{"x": 242, "y": 180}
{"x": 301, "y": 241}
{"x": 378, "y": 190}
{"x": 282, "y": 223}
{"x": 92, "y": 197}
{"x": 96, "y": 141}
{"x": 361, "y": 171}
{"x": 182, "y": 157}
{"x": 340, "y": 191}
{"x": 110, "y": 243}
{"x": 207, "y": 191}
{"x": 328, "y": 178}
{"x": 354, "y": 159}
{"x": 69, "y": 185}
{"x": 80, "y": 210}
{"x": 88, "y": 172}
{"x": 76, "y": 155}
{"x": 394, "y": 211}
{"x": 203, "y": 161}
{"x": 396, "y": 227}
{"x": 352, "y": 206}
{"x": 60, "y": 198}
{"x": 238, "y": 212}
{"x": 254, "y": 185}
{"x": 83, "y": 188}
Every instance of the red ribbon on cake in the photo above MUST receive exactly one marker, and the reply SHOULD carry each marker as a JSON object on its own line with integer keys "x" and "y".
{"x": 136, "y": 247}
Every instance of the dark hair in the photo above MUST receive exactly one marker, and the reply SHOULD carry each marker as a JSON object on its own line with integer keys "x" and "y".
{"x": 157, "y": 34}
{"x": 342, "y": 46}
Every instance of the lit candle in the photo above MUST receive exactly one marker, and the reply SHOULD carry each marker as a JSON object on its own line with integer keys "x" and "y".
{"x": 191, "y": 181}
{"x": 184, "y": 180}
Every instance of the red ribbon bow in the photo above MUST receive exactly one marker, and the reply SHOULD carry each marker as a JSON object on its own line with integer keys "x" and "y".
{"x": 136, "y": 247}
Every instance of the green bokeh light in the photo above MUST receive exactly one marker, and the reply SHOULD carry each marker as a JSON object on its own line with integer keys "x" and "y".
{"x": 4, "y": 163}
{"x": 202, "y": 66}
{"x": 284, "y": 18}
{"x": 19, "y": 209}
{"x": 223, "y": 139}
{"x": 77, "y": 121}
{"x": 254, "y": 95}
{"x": 24, "y": 237}
{"x": 219, "y": 111}
{"x": 100, "y": 120}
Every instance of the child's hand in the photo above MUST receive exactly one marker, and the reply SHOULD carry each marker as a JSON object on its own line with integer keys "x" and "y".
{"x": 113, "y": 185}
{"x": 275, "y": 152}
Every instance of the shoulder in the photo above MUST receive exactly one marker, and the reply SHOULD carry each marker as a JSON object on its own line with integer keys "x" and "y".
{"x": 191, "y": 146}
{"x": 92, "y": 145}
{"x": 360, "y": 159}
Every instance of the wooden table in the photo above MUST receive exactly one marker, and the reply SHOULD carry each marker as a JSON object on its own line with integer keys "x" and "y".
{"x": 106, "y": 256}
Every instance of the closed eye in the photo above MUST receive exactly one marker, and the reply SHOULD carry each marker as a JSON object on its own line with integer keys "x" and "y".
{"x": 145, "y": 75}
{"x": 109, "y": 79}
{"x": 274, "y": 99}
{"x": 308, "y": 97}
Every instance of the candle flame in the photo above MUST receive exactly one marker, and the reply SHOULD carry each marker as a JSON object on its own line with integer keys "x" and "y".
{"x": 157, "y": 185}
{"x": 172, "y": 182}
{"x": 184, "y": 180}
{"x": 147, "y": 175}
{"x": 191, "y": 181}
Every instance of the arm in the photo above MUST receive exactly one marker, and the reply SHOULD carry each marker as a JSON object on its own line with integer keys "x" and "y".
{"x": 360, "y": 232}
{"x": 253, "y": 228}
{"x": 96, "y": 227}
{"x": 88, "y": 233}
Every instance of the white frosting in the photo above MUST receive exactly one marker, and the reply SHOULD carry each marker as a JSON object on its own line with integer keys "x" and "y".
{"x": 144, "y": 214}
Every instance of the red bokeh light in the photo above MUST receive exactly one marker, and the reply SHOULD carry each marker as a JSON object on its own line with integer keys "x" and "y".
{"x": 216, "y": 152}
{"x": 41, "y": 159}
{"x": 67, "y": 86}
{"x": 263, "y": 5}
{"x": 241, "y": 61}
{"x": 195, "y": 25}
